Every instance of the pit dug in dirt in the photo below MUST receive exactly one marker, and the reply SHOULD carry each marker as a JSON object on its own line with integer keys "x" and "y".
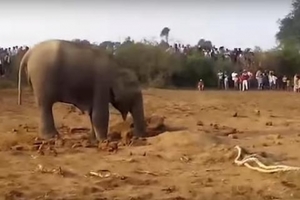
{"x": 124, "y": 130}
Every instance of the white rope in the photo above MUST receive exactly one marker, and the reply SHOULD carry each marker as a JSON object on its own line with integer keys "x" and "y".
{"x": 261, "y": 166}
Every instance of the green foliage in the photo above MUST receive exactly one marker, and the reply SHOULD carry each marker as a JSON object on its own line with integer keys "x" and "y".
{"x": 152, "y": 64}
{"x": 287, "y": 59}
{"x": 194, "y": 68}
{"x": 289, "y": 26}
{"x": 156, "y": 67}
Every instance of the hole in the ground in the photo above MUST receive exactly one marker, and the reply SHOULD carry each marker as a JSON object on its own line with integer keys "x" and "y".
{"x": 155, "y": 125}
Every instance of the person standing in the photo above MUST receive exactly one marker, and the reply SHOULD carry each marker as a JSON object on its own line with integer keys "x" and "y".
{"x": 296, "y": 87}
{"x": 259, "y": 78}
{"x": 200, "y": 85}
{"x": 226, "y": 81}
{"x": 235, "y": 79}
{"x": 220, "y": 79}
{"x": 284, "y": 82}
{"x": 250, "y": 75}
{"x": 244, "y": 79}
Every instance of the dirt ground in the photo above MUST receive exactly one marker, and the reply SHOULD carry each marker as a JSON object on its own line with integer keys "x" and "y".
{"x": 192, "y": 158}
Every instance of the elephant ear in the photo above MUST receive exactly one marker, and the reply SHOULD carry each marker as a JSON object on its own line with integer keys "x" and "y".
{"x": 125, "y": 84}
{"x": 124, "y": 87}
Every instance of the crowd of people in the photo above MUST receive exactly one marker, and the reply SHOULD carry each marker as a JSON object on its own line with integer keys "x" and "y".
{"x": 237, "y": 54}
{"x": 260, "y": 80}
{"x": 6, "y": 55}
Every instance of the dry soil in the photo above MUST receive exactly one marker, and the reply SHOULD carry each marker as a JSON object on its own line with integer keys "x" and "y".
{"x": 191, "y": 159}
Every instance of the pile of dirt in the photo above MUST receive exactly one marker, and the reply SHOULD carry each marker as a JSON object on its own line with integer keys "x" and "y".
{"x": 186, "y": 139}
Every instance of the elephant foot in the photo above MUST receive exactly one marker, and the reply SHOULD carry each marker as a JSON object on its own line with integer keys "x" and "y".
{"x": 107, "y": 145}
{"x": 140, "y": 135}
{"x": 102, "y": 139}
{"x": 49, "y": 135}
{"x": 91, "y": 135}
{"x": 138, "y": 141}
{"x": 139, "y": 138}
{"x": 93, "y": 142}
{"x": 96, "y": 141}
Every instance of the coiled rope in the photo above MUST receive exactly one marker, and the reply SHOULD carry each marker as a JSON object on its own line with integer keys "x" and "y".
{"x": 261, "y": 166}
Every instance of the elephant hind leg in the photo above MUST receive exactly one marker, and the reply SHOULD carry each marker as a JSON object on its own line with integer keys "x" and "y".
{"x": 47, "y": 127}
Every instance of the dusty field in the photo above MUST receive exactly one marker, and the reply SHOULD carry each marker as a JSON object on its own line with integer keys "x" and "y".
{"x": 193, "y": 159}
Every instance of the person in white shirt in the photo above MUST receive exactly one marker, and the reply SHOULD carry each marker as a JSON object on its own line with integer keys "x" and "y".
{"x": 235, "y": 79}
{"x": 220, "y": 79}
{"x": 250, "y": 78}
{"x": 225, "y": 81}
{"x": 296, "y": 86}
{"x": 181, "y": 49}
{"x": 206, "y": 54}
{"x": 274, "y": 81}
{"x": 270, "y": 79}
{"x": 15, "y": 50}
{"x": 259, "y": 78}
{"x": 233, "y": 75}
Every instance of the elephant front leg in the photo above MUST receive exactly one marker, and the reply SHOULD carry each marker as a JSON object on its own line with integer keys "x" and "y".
{"x": 92, "y": 132}
{"x": 100, "y": 119}
{"x": 47, "y": 126}
{"x": 92, "y": 135}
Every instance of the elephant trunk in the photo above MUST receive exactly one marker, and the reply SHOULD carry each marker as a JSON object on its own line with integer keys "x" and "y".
{"x": 137, "y": 112}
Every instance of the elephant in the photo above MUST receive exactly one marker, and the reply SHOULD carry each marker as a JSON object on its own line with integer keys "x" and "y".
{"x": 85, "y": 76}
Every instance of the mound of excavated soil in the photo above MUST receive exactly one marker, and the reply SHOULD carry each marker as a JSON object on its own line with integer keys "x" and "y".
{"x": 200, "y": 146}
{"x": 186, "y": 139}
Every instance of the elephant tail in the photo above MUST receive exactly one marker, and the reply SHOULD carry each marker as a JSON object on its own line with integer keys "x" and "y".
{"x": 23, "y": 64}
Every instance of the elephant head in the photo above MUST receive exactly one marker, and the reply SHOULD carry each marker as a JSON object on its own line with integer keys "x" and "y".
{"x": 126, "y": 97}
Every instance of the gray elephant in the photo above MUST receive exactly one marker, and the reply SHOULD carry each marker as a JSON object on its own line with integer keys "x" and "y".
{"x": 85, "y": 76}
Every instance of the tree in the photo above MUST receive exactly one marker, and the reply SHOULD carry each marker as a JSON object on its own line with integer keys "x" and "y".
{"x": 107, "y": 44}
{"x": 81, "y": 41}
{"x": 165, "y": 33}
{"x": 289, "y": 26}
{"x": 205, "y": 44}
{"x": 257, "y": 49}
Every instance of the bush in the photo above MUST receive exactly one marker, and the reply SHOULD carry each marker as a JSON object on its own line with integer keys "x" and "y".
{"x": 194, "y": 68}
{"x": 158, "y": 68}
